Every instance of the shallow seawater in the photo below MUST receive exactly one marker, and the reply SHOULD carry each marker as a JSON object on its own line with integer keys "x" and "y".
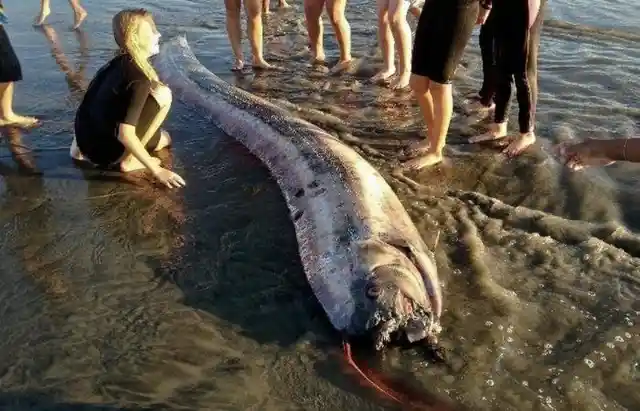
{"x": 118, "y": 295}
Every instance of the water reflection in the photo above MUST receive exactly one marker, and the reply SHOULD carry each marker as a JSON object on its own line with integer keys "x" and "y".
{"x": 35, "y": 400}
{"x": 75, "y": 76}
{"x": 25, "y": 197}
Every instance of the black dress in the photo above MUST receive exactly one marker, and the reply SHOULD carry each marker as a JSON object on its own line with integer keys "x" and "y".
{"x": 10, "y": 69}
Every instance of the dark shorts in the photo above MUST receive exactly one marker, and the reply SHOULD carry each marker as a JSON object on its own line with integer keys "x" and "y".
{"x": 443, "y": 31}
{"x": 10, "y": 69}
{"x": 100, "y": 144}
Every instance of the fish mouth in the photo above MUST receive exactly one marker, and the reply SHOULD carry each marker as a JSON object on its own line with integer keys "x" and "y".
{"x": 414, "y": 328}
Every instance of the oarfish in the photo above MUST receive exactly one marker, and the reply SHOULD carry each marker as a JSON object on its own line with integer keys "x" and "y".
{"x": 363, "y": 257}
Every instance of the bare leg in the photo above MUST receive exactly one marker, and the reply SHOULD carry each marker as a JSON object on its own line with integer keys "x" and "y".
{"x": 45, "y": 10}
{"x": 421, "y": 89}
{"x": 385, "y": 38}
{"x": 313, "y": 16}
{"x": 442, "y": 95}
{"x": 7, "y": 116}
{"x": 234, "y": 31}
{"x": 165, "y": 141}
{"x": 415, "y": 11}
{"x": 129, "y": 162}
{"x": 254, "y": 32}
{"x": 335, "y": 9}
{"x": 265, "y": 7}
{"x": 402, "y": 36}
{"x": 79, "y": 13}
{"x": 283, "y": 4}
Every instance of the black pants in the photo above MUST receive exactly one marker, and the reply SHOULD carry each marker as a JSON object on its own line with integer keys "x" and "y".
{"x": 516, "y": 60}
{"x": 487, "y": 51}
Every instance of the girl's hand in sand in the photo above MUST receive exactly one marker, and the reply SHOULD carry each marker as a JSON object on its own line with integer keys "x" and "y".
{"x": 588, "y": 153}
{"x": 168, "y": 178}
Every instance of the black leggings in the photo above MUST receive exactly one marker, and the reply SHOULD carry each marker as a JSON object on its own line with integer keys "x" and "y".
{"x": 487, "y": 46}
{"x": 516, "y": 60}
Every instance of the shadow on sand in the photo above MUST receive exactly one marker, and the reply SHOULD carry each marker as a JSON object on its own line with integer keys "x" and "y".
{"x": 40, "y": 401}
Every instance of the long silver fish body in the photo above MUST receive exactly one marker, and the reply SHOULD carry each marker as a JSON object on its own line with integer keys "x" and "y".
{"x": 363, "y": 257}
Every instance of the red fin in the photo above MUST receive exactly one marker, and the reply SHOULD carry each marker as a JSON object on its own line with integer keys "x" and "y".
{"x": 410, "y": 400}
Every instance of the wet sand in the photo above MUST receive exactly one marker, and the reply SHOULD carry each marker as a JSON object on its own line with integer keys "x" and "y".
{"x": 117, "y": 294}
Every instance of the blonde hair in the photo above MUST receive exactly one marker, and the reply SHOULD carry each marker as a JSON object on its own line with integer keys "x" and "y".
{"x": 126, "y": 25}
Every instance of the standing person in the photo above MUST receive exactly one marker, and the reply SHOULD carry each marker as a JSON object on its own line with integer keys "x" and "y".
{"x": 118, "y": 121}
{"x": 254, "y": 32}
{"x": 443, "y": 31}
{"x": 517, "y": 33}
{"x": 484, "y": 102}
{"x": 313, "y": 15}
{"x": 79, "y": 12}
{"x": 10, "y": 72}
{"x": 393, "y": 27}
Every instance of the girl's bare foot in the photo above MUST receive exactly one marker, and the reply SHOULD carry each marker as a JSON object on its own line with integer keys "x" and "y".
{"x": 238, "y": 65}
{"x": 423, "y": 161}
{"x": 516, "y": 145}
{"x": 416, "y": 148}
{"x": 19, "y": 121}
{"x": 133, "y": 164}
{"x": 284, "y": 5}
{"x": 75, "y": 153}
{"x": 44, "y": 13}
{"x": 261, "y": 64}
{"x": 401, "y": 82}
{"x": 341, "y": 66}
{"x": 80, "y": 15}
{"x": 496, "y": 132}
{"x": 384, "y": 74}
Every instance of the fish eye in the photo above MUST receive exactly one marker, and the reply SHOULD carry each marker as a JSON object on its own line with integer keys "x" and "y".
{"x": 373, "y": 291}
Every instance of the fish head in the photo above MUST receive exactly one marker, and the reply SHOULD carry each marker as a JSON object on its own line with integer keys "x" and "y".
{"x": 400, "y": 309}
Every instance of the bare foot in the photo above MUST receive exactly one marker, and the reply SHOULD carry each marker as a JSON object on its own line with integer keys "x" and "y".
{"x": 415, "y": 11}
{"x": 423, "y": 161}
{"x": 383, "y": 75}
{"x": 516, "y": 145}
{"x": 39, "y": 21}
{"x": 496, "y": 132}
{"x": 238, "y": 65}
{"x": 341, "y": 66}
{"x": 284, "y": 5}
{"x": 79, "y": 17}
{"x": 133, "y": 164}
{"x": 261, "y": 64}
{"x": 75, "y": 153}
{"x": 477, "y": 108}
{"x": 416, "y": 148}
{"x": 318, "y": 58}
{"x": 401, "y": 82}
{"x": 19, "y": 121}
